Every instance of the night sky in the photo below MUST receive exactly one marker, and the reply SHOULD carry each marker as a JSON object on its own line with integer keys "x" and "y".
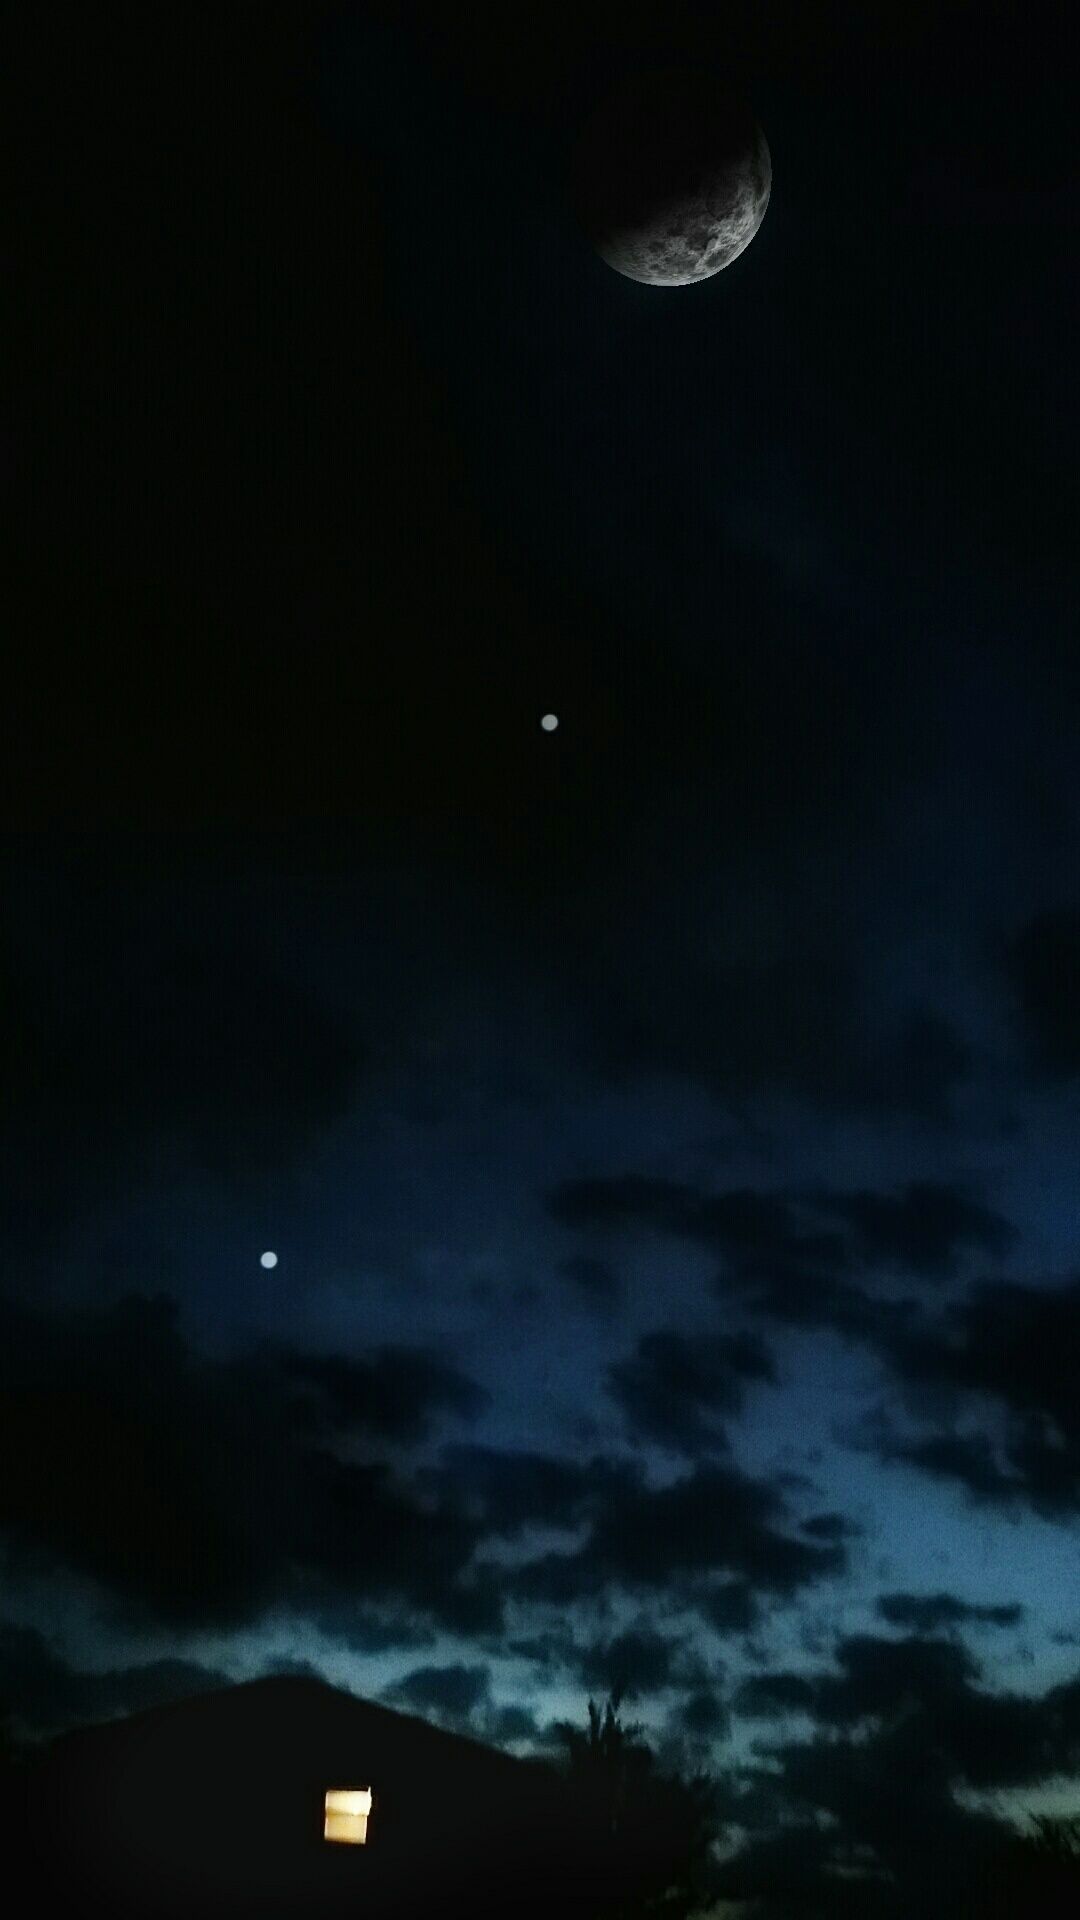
{"x": 667, "y": 1124}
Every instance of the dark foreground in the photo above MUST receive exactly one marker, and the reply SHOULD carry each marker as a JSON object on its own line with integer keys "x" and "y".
{"x": 214, "y": 1807}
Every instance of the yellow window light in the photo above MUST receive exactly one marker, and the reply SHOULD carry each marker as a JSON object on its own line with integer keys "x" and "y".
{"x": 346, "y": 1814}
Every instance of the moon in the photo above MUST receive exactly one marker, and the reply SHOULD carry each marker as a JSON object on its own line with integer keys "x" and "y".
{"x": 671, "y": 177}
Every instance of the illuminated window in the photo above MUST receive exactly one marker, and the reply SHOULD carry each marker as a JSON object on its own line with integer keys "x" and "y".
{"x": 346, "y": 1814}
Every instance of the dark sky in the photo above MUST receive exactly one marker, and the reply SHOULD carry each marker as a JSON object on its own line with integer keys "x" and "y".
{"x": 667, "y": 1125}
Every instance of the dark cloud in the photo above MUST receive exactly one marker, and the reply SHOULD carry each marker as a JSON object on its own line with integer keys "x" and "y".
{"x": 547, "y": 1650}
{"x": 969, "y": 1459}
{"x": 505, "y": 1724}
{"x": 800, "y": 1259}
{"x": 927, "y": 1613}
{"x": 922, "y": 1229}
{"x": 458, "y": 1696}
{"x": 714, "y": 1519}
{"x": 674, "y": 1388}
{"x": 892, "y": 1794}
{"x": 778, "y": 1266}
{"x": 901, "y": 1727}
{"x": 769, "y": 1695}
{"x": 732, "y": 1607}
{"x": 632, "y": 1663}
{"x": 701, "y": 1716}
{"x": 361, "y": 1529}
{"x": 43, "y": 1692}
{"x": 933, "y": 1684}
{"x": 369, "y": 1629}
{"x": 742, "y": 1225}
{"x": 811, "y": 1235}
{"x": 1002, "y": 1342}
{"x": 880, "y": 1677}
{"x": 196, "y": 1490}
{"x": 687, "y": 1741}
{"x": 1013, "y": 1350}
{"x": 510, "y": 1489}
{"x": 1018, "y": 1344}
{"x": 453, "y": 1694}
{"x": 256, "y": 1508}
{"x": 1043, "y": 970}
{"x": 393, "y": 1395}
{"x": 830, "y": 1526}
{"x": 795, "y": 1298}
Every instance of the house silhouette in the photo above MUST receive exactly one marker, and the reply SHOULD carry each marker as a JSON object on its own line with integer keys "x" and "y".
{"x": 216, "y": 1805}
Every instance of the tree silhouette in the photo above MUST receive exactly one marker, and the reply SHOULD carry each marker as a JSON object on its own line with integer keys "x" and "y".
{"x": 1039, "y": 1871}
{"x": 1035, "y": 1873}
{"x": 645, "y": 1834}
{"x": 1055, "y": 1837}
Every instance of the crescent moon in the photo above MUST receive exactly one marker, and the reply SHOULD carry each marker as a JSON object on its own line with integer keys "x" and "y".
{"x": 673, "y": 177}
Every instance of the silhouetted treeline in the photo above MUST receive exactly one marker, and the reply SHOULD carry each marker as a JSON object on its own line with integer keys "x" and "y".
{"x": 647, "y": 1832}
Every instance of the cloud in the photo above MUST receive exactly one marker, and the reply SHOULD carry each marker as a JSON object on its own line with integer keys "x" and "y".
{"x": 547, "y": 1650}
{"x": 766, "y": 1695}
{"x": 814, "y": 1234}
{"x": 453, "y": 1694}
{"x": 673, "y": 1389}
{"x": 199, "y": 1491}
{"x": 927, "y": 1613}
{"x": 458, "y": 1696}
{"x": 638, "y": 1538}
{"x": 43, "y": 1692}
{"x": 801, "y": 1299}
{"x": 701, "y": 1716}
{"x": 774, "y": 1261}
{"x": 1010, "y": 1351}
{"x": 635, "y": 1662}
{"x": 690, "y": 1731}
{"x": 830, "y": 1526}
{"x": 510, "y": 1489}
{"x": 742, "y": 1225}
{"x": 503, "y": 1725}
{"x": 367, "y": 1628}
{"x": 879, "y": 1677}
{"x": 1042, "y": 967}
{"x": 923, "y": 1229}
{"x": 891, "y": 1793}
{"x": 206, "y": 1492}
{"x": 394, "y": 1394}
{"x": 713, "y": 1520}
{"x": 801, "y": 1259}
{"x": 731, "y": 1607}
{"x": 901, "y": 1726}
{"x": 359, "y": 1529}
{"x": 933, "y": 1684}
{"x": 969, "y": 1459}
